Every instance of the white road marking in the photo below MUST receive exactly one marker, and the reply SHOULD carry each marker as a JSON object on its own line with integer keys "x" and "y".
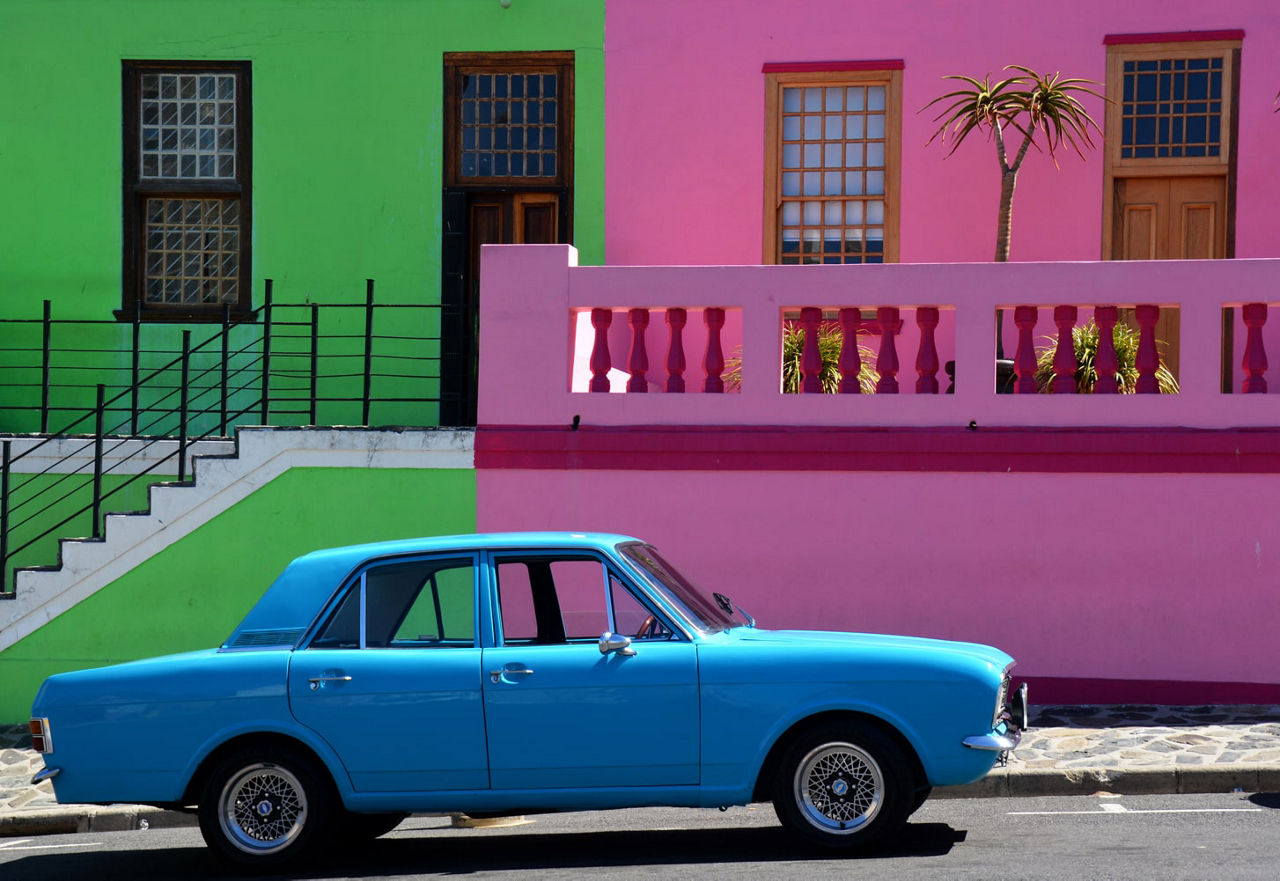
{"x": 8, "y": 846}
{"x": 1120, "y": 809}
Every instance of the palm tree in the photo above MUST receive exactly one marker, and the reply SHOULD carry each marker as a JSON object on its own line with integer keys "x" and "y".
{"x": 1028, "y": 103}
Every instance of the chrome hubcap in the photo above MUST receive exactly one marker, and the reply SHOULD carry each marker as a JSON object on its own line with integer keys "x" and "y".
{"x": 839, "y": 788}
{"x": 263, "y": 809}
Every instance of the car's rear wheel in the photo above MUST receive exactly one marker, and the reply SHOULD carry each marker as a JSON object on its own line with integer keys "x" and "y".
{"x": 266, "y": 807}
{"x": 843, "y": 786}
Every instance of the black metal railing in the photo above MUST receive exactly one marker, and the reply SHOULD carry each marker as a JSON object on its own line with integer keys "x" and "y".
{"x": 285, "y": 364}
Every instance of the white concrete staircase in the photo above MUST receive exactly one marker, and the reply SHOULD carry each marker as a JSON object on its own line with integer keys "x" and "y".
{"x": 218, "y": 483}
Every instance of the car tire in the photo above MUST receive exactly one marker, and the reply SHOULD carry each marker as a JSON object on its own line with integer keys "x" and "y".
{"x": 843, "y": 786}
{"x": 359, "y": 828}
{"x": 266, "y": 808}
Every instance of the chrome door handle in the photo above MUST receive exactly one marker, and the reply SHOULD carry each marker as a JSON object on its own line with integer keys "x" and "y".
{"x": 315, "y": 681}
{"x": 496, "y": 675}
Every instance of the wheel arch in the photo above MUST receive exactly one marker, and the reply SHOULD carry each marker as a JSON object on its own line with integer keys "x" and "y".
{"x": 764, "y": 777}
{"x": 257, "y": 739}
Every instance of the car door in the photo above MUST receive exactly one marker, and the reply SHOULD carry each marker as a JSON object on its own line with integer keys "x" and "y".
{"x": 559, "y": 713}
{"x": 391, "y": 680}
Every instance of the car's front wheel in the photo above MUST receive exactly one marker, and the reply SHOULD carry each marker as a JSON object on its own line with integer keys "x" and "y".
{"x": 266, "y": 807}
{"x": 843, "y": 786}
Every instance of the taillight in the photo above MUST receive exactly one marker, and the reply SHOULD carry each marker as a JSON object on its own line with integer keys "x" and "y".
{"x": 41, "y": 738}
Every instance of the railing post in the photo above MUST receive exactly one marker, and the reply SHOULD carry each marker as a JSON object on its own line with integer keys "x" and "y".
{"x": 676, "y": 319}
{"x": 1148, "y": 358}
{"x": 850, "y": 358}
{"x": 887, "y": 360}
{"x": 135, "y": 368}
{"x": 713, "y": 360}
{"x": 1255, "y": 353}
{"x": 4, "y": 518}
{"x": 600, "y": 360}
{"x": 97, "y": 460}
{"x": 638, "y": 360}
{"x": 368, "y": 348}
{"x": 226, "y": 356}
{"x": 1106, "y": 362}
{"x": 266, "y": 355}
{"x": 927, "y": 318}
{"x": 184, "y": 403}
{"x": 1064, "y": 357}
{"x": 811, "y": 356}
{"x": 1024, "y": 359}
{"x": 315, "y": 359}
{"x": 45, "y": 365}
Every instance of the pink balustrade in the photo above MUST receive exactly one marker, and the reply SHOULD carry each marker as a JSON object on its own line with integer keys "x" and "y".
{"x": 731, "y": 322}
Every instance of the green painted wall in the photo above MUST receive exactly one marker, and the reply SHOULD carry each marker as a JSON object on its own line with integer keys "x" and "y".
{"x": 347, "y": 142}
{"x": 192, "y": 594}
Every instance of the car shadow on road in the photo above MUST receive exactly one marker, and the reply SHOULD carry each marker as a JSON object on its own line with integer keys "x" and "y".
{"x": 447, "y": 854}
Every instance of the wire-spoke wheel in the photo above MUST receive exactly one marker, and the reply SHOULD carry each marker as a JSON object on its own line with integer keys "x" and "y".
{"x": 264, "y": 808}
{"x": 843, "y": 786}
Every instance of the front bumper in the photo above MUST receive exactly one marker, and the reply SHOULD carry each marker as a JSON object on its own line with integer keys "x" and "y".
{"x": 1012, "y": 720}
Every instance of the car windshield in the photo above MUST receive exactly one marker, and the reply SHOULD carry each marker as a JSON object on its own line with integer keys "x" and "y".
{"x": 708, "y": 612}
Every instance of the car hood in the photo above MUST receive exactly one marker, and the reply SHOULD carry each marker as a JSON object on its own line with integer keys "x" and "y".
{"x": 874, "y": 642}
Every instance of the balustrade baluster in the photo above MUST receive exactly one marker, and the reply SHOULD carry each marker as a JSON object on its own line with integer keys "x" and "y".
{"x": 638, "y": 360}
{"x": 1255, "y": 353}
{"x": 887, "y": 361}
{"x": 713, "y": 361}
{"x": 600, "y": 363}
{"x": 1064, "y": 356}
{"x": 1024, "y": 360}
{"x": 1106, "y": 363}
{"x": 927, "y": 356}
{"x": 850, "y": 358}
{"x": 676, "y": 319}
{"x": 1148, "y": 358}
{"x": 811, "y": 358}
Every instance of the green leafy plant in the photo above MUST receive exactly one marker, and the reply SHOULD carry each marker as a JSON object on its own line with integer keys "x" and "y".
{"x": 1031, "y": 104}
{"x": 830, "y": 342}
{"x": 1085, "y": 342}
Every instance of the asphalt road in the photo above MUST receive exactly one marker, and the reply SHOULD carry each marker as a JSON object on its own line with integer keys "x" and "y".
{"x": 1227, "y": 836}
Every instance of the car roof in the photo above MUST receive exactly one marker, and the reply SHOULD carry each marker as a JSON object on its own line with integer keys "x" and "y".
{"x": 293, "y": 600}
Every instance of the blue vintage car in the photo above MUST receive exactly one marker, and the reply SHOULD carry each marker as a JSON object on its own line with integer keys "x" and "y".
{"x": 501, "y": 674}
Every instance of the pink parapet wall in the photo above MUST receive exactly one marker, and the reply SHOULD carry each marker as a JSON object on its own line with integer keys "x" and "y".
{"x": 532, "y": 294}
{"x": 1145, "y": 578}
{"x": 684, "y": 144}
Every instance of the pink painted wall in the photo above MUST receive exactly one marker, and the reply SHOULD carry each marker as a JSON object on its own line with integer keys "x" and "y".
{"x": 684, "y": 117}
{"x": 1145, "y": 577}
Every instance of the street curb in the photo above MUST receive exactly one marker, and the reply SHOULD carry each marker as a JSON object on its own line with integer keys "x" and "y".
{"x": 1031, "y": 782}
{"x": 90, "y": 818}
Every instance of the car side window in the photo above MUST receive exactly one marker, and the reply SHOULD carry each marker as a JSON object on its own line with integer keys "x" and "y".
{"x": 632, "y": 619}
{"x": 406, "y": 604}
{"x": 552, "y": 600}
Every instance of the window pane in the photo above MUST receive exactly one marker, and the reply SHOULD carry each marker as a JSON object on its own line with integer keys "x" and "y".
{"x": 513, "y": 120}
{"x": 201, "y": 109}
{"x": 192, "y": 251}
{"x": 843, "y": 153}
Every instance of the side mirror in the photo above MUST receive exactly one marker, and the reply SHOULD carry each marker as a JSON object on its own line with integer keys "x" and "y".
{"x": 615, "y": 642}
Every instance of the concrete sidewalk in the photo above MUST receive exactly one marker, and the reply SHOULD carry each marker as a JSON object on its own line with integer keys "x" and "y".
{"x": 1078, "y": 750}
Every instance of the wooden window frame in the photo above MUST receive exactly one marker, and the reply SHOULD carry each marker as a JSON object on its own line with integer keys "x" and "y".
{"x": 136, "y": 190}
{"x": 456, "y": 64}
{"x": 1142, "y": 47}
{"x": 887, "y": 73}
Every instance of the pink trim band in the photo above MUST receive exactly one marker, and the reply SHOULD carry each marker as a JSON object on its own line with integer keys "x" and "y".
{"x": 831, "y": 66}
{"x": 807, "y": 448}
{"x": 1049, "y": 690}
{"x": 1174, "y": 37}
